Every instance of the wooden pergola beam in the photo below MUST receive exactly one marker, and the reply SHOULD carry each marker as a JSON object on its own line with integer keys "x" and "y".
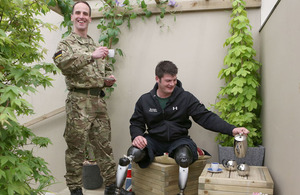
{"x": 45, "y": 116}
{"x": 182, "y": 6}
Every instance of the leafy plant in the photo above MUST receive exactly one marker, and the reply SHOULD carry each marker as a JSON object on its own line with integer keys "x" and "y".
{"x": 239, "y": 100}
{"x": 115, "y": 14}
{"x": 21, "y": 72}
{"x": 66, "y": 9}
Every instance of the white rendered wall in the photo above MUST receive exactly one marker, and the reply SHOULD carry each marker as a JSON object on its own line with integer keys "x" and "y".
{"x": 281, "y": 95}
{"x": 266, "y": 8}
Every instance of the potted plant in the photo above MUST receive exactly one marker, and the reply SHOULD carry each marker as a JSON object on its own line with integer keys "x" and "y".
{"x": 239, "y": 100}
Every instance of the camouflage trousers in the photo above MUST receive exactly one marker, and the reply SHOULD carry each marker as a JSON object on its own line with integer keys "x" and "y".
{"x": 87, "y": 121}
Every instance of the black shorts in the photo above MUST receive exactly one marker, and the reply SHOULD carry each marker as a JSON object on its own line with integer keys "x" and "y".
{"x": 158, "y": 148}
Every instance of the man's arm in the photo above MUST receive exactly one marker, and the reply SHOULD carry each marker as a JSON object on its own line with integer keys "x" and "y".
{"x": 69, "y": 62}
{"x": 207, "y": 119}
{"x": 137, "y": 121}
{"x": 211, "y": 121}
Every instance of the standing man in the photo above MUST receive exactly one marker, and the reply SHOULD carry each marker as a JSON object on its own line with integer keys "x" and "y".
{"x": 161, "y": 122}
{"x": 83, "y": 65}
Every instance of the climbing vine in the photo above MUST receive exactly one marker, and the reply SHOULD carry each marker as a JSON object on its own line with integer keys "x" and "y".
{"x": 239, "y": 100}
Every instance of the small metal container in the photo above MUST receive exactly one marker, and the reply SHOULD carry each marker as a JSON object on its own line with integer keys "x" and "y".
{"x": 240, "y": 145}
{"x": 230, "y": 165}
{"x": 243, "y": 169}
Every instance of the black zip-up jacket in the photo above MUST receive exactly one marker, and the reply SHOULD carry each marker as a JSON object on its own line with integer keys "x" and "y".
{"x": 174, "y": 121}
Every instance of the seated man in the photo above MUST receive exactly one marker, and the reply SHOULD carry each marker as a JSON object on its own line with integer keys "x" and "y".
{"x": 160, "y": 124}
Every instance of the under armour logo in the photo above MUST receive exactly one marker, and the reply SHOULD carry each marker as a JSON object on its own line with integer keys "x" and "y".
{"x": 175, "y": 108}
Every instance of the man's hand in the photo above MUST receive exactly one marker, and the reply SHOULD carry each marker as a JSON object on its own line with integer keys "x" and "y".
{"x": 239, "y": 130}
{"x": 110, "y": 81}
{"x": 139, "y": 142}
{"x": 100, "y": 52}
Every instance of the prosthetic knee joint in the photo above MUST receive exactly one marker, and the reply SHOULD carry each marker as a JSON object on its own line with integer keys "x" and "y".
{"x": 133, "y": 154}
{"x": 184, "y": 158}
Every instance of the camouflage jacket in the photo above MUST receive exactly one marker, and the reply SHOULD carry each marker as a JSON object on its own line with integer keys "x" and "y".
{"x": 74, "y": 58}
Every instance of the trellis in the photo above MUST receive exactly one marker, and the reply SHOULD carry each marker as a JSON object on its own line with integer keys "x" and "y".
{"x": 182, "y": 6}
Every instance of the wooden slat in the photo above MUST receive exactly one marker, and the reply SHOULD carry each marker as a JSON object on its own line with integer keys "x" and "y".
{"x": 183, "y": 6}
{"x": 45, "y": 116}
{"x": 235, "y": 188}
{"x": 205, "y": 192}
{"x": 269, "y": 180}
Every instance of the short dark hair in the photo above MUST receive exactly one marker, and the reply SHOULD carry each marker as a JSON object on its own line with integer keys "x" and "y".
{"x": 165, "y": 67}
{"x": 90, "y": 13}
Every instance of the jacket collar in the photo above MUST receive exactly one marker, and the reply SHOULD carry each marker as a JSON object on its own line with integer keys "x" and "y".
{"x": 177, "y": 90}
{"x": 82, "y": 40}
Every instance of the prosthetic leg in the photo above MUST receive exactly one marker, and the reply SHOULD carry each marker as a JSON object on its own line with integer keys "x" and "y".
{"x": 184, "y": 158}
{"x": 133, "y": 154}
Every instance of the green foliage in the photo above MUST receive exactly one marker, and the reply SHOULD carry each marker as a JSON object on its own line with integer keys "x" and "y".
{"x": 66, "y": 9}
{"x": 21, "y": 72}
{"x": 240, "y": 101}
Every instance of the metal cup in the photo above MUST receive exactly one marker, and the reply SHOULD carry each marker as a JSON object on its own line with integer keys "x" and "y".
{"x": 230, "y": 165}
{"x": 243, "y": 169}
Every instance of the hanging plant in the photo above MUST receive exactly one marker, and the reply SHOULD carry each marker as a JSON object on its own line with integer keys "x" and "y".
{"x": 239, "y": 100}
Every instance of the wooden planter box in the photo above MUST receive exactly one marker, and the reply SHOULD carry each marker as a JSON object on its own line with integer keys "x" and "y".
{"x": 229, "y": 182}
{"x": 162, "y": 179}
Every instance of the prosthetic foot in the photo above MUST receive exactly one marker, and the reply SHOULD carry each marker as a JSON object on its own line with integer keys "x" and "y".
{"x": 183, "y": 176}
{"x": 133, "y": 154}
{"x": 121, "y": 173}
{"x": 184, "y": 158}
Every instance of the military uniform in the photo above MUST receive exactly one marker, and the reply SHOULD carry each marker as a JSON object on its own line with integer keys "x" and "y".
{"x": 87, "y": 118}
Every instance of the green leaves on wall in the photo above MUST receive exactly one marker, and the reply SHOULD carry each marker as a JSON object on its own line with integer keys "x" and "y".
{"x": 239, "y": 100}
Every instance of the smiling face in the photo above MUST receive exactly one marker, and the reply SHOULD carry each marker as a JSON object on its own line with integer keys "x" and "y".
{"x": 81, "y": 19}
{"x": 166, "y": 85}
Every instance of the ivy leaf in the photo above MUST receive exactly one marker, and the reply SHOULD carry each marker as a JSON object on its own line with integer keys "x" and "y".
{"x": 103, "y": 38}
{"x": 251, "y": 105}
{"x": 52, "y": 3}
{"x": 120, "y": 52}
{"x": 237, "y": 90}
{"x": 238, "y": 39}
{"x": 148, "y": 13}
{"x": 239, "y": 81}
{"x": 229, "y": 70}
{"x": 242, "y": 72}
{"x": 143, "y": 5}
{"x": 157, "y": 19}
{"x": 133, "y": 16}
{"x": 115, "y": 40}
{"x": 2, "y": 175}
{"x": 118, "y": 22}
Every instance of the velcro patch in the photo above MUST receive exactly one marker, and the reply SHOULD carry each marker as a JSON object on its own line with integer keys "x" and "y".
{"x": 58, "y": 54}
